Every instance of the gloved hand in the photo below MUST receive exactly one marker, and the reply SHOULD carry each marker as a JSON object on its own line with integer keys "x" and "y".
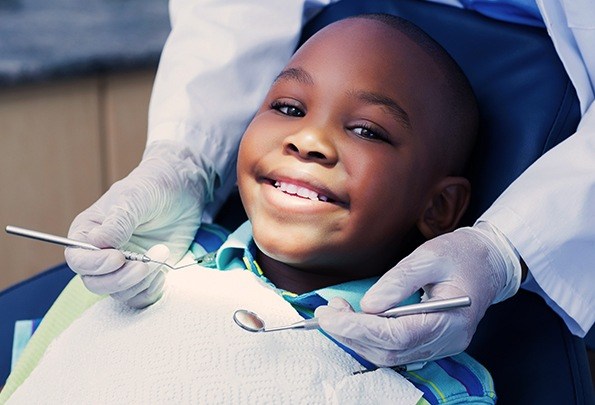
{"x": 475, "y": 261}
{"x": 160, "y": 201}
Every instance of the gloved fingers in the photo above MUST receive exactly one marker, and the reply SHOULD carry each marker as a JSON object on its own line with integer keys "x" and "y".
{"x": 351, "y": 334}
{"x": 156, "y": 275}
{"x": 93, "y": 262}
{"x": 148, "y": 288}
{"x": 408, "y": 276}
{"x": 385, "y": 341}
{"x": 339, "y": 304}
{"x": 453, "y": 290}
{"x": 84, "y": 221}
{"x": 334, "y": 306}
{"x": 130, "y": 274}
{"x": 144, "y": 300}
{"x": 389, "y": 358}
{"x": 378, "y": 356}
{"x": 150, "y": 295}
{"x": 357, "y": 327}
{"x": 88, "y": 220}
{"x": 115, "y": 229}
{"x": 448, "y": 343}
{"x": 136, "y": 289}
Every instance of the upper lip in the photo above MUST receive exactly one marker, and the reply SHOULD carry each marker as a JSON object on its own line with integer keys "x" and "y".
{"x": 306, "y": 180}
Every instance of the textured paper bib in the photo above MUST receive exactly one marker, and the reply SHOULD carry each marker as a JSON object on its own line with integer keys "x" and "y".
{"x": 186, "y": 348}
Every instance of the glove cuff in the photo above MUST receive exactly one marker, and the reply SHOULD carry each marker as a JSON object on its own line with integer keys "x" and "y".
{"x": 510, "y": 258}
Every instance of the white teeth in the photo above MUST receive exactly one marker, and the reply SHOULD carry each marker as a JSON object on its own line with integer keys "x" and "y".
{"x": 292, "y": 189}
{"x": 304, "y": 192}
{"x": 300, "y": 191}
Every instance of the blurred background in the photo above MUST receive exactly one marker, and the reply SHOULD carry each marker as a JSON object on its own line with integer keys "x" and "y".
{"x": 75, "y": 83}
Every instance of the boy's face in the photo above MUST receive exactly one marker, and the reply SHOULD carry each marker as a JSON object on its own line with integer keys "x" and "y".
{"x": 337, "y": 166}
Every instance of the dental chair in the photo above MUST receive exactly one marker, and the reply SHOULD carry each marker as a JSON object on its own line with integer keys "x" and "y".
{"x": 528, "y": 105}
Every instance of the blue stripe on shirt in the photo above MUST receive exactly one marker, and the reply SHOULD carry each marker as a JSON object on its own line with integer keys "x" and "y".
{"x": 461, "y": 373}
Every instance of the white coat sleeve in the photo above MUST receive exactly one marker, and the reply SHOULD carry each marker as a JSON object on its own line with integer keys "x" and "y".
{"x": 216, "y": 66}
{"x": 548, "y": 213}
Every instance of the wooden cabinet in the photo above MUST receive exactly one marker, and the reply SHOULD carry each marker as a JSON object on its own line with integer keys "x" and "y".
{"x": 61, "y": 145}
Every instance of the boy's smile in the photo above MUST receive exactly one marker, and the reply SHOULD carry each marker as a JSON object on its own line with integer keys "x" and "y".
{"x": 337, "y": 166}
{"x": 294, "y": 191}
{"x": 304, "y": 190}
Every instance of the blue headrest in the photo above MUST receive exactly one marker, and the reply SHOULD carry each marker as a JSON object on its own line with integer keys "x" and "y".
{"x": 527, "y": 102}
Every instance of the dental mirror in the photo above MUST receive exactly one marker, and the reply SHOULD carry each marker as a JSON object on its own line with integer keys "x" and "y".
{"x": 251, "y": 322}
{"x": 248, "y": 320}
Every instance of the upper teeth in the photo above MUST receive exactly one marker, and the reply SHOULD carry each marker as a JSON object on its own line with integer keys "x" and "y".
{"x": 304, "y": 192}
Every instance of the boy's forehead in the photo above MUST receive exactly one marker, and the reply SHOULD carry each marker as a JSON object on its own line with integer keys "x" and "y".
{"x": 364, "y": 38}
{"x": 370, "y": 55}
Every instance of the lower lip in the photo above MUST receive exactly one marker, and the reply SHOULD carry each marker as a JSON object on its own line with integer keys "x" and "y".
{"x": 294, "y": 203}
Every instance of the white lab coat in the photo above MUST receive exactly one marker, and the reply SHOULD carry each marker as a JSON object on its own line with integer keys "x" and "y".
{"x": 222, "y": 56}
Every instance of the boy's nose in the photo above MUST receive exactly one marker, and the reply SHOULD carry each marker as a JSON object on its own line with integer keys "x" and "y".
{"x": 311, "y": 145}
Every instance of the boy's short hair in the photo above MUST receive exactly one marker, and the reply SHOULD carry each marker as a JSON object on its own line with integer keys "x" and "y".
{"x": 461, "y": 125}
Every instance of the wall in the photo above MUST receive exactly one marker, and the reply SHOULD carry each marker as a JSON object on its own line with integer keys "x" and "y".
{"x": 61, "y": 145}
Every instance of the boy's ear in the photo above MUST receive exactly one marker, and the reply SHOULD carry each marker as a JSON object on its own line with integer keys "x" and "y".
{"x": 446, "y": 206}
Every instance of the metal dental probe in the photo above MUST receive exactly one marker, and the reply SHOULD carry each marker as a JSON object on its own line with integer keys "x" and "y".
{"x": 251, "y": 322}
{"x": 59, "y": 240}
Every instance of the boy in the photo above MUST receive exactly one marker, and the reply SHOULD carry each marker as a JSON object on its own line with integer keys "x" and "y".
{"x": 358, "y": 147}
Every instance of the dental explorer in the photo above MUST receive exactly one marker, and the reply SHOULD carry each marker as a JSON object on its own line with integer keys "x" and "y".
{"x": 59, "y": 240}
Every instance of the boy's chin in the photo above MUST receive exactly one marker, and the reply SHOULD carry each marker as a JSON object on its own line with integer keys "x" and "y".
{"x": 289, "y": 244}
{"x": 294, "y": 256}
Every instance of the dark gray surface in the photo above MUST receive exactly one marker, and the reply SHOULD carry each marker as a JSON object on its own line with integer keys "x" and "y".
{"x": 47, "y": 39}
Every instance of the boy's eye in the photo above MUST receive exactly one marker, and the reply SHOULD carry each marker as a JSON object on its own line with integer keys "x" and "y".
{"x": 364, "y": 131}
{"x": 288, "y": 109}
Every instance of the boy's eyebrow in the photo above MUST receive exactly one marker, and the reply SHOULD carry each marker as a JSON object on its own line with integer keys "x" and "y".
{"x": 297, "y": 74}
{"x": 394, "y": 108}
{"x": 368, "y": 97}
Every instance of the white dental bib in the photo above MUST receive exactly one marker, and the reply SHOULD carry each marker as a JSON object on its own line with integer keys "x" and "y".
{"x": 186, "y": 348}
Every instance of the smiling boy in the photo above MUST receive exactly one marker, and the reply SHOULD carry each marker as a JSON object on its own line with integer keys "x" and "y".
{"x": 355, "y": 156}
{"x": 356, "y": 150}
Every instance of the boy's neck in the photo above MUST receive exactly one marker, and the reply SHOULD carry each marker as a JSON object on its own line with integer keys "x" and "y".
{"x": 296, "y": 280}
{"x": 300, "y": 281}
